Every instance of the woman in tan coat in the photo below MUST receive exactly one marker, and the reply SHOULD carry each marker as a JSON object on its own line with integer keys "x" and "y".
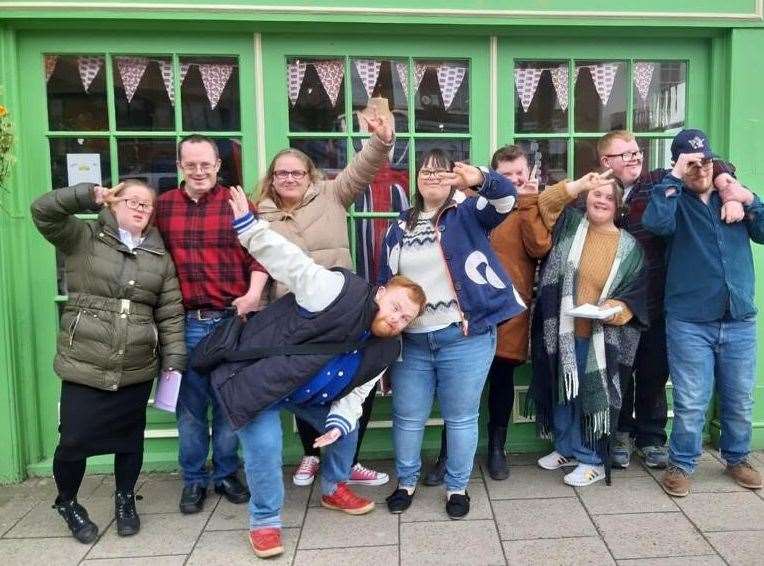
{"x": 312, "y": 213}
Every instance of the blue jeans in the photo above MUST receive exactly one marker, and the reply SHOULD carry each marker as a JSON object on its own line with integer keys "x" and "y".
{"x": 568, "y": 440}
{"x": 453, "y": 367}
{"x": 194, "y": 399}
{"x": 261, "y": 441}
{"x": 700, "y": 355}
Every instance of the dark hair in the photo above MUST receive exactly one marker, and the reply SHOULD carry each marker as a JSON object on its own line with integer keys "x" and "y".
{"x": 439, "y": 158}
{"x": 198, "y": 138}
{"x": 507, "y": 153}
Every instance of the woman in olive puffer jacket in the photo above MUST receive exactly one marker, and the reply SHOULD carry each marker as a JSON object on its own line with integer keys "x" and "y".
{"x": 122, "y": 323}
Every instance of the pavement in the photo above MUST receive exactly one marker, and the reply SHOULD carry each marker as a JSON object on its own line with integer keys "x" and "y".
{"x": 531, "y": 518}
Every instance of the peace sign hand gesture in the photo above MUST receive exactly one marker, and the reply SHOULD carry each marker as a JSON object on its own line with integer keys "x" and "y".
{"x": 531, "y": 186}
{"x": 589, "y": 182}
{"x": 376, "y": 124}
{"x": 105, "y": 195}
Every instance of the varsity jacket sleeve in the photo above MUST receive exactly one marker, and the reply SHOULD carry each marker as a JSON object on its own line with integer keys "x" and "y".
{"x": 314, "y": 287}
{"x": 345, "y": 412}
{"x": 754, "y": 220}
{"x": 496, "y": 199}
{"x": 660, "y": 214}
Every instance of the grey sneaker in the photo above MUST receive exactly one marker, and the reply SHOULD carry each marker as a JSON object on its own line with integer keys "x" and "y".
{"x": 624, "y": 446}
{"x": 654, "y": 456}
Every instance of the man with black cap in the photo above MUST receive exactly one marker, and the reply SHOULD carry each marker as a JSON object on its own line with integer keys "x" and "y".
{"x": 710, "y": 311}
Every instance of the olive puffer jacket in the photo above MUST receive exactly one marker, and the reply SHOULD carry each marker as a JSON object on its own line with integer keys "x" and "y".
{"x": 124, "y": 311}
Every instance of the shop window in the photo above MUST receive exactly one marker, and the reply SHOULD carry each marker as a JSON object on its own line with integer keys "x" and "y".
{"x": 563, "y": 106}
{"x": 429, "y": 101}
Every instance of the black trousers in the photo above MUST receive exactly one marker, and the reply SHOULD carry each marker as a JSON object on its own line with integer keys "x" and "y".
{"x": 501, "y": 392}
{"x": 308, "y": 434}
{"x": 645, "y": 412}
{"x": 69, "y": 473}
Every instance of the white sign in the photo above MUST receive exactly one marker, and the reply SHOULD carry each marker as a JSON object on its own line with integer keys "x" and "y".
{"x": 83, "y": 168}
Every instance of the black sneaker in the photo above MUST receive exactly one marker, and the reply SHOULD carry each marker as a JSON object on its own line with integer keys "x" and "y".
{"x": 78, "y": 521}
{"x": 128, "y": 521}
{"x": 399, "y": 501}
{"x": 192, "y": 498}
{"x": 458, "y": 505}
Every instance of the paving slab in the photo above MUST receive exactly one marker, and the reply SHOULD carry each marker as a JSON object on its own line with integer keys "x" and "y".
{"x": 579, "y": 551}
{"x": 12, "y": 509}
{"x": 709, "y": 477}
{"x": 48, "y": 551}
{"x": 542, "y": 518}
{"x": 739, "y": 547}
{"x": 710, "y": 560}
{"x": 430, "y": 504}
{"x": 232, "y": 548}
{"x": 161, "y": 534}
{"x": 376, "y": 555}
{"x": 724, "y": 511}
{"x": 327, "y": 528}
{"x": 43, "y": 521}
{"x": 651, "y": 535}
{"x": 529, "y": 482}
{"x": 457, "y": 542}
{"x": 376, "y": 493}
{"x": 638, "y": 495}
{"x": 173, "y": 560}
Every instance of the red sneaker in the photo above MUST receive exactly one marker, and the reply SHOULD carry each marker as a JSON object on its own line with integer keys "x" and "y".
{"x": 266, "y": 542}
{"x": 345, "y": 500}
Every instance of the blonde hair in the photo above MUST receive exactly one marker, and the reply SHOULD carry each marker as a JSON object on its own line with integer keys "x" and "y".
{"x": 127, "y": 184}
{"x": 604, "y": 142}
{"x": 617, "y": 196}
{"x": 266, "y": 189}
{"x": 414, "y": 291}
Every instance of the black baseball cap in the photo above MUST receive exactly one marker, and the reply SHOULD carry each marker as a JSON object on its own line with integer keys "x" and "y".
{"x": 691, "y": 141}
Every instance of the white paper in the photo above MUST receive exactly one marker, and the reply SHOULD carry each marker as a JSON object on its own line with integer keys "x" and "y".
{"x": 83, "y": 168}
{"x": 591, "y": 311}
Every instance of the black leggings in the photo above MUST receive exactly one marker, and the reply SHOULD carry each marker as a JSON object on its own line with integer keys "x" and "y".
{"x": 69, "y": 473}
{"x": 501, "y": 392}
{"x": 308, "y": 434}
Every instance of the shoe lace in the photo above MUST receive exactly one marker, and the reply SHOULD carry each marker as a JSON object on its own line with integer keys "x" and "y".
{"x": 364, "y": 471}
{"x": 126, "y": 506}
{"x": 744, "y": 464}
{"x": 347, "y": 496}
{"x": 307, "y": 465}
{"x": 672, "y": 469}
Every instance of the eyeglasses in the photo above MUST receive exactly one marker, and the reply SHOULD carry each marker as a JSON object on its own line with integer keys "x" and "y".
{"x": 135, "y": 204}
{"x": 628, "y": 155}
{"x": 193, "y": 167}
{"x": 283, "y": 174}
{"x": 432, "y": 172}
{"x": 702, "y": 164}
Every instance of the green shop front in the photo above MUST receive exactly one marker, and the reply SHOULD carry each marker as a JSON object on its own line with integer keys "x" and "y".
{"x": 102, "y": 91}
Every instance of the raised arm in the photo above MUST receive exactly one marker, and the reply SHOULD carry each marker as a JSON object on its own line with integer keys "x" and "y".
{"x": 53, "y": 214}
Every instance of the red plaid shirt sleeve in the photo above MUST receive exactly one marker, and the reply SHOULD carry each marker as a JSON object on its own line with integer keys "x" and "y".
{"x": 213, "y": 268}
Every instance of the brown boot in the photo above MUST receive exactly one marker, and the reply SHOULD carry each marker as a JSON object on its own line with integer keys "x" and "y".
{"x": 745, "y": 475}
{"x": 675, "y": 481}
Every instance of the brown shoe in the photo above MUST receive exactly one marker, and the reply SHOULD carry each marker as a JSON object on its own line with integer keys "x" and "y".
{"x": 745, "y": 475}
{"x": 675, "y": 481}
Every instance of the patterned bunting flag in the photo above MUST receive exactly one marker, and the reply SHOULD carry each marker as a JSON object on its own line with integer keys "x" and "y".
{"x": 89, "y": 67}
{"x": 419, "y": 70}
{"x": 131, "y": 69}
{"x": 368, "y": 70}
{"x": 643, "y": 76}
{"x": 560, "y": 82}
{"x": 603, "y": 76}
{"x": 295, "y": 76}
{"x": 526, "y": 83}
{"x": 50, "y": 66}
{"x": 330, "y": 73}
{"x": 214, "y": 78}
{"x": 450, "y": 78}
{"x": 165, "y": 68}
{"x": 403, "y": 76}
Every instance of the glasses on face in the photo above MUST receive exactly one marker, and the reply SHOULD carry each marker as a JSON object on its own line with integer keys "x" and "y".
{"x": 139, "y": 205}
{"x": 432, "y": 172}
{"x": 194, "y": 167}
{"x": 283, "y": 174}
{"x": 702, "y": 164}
{"x": 628, "y": 155}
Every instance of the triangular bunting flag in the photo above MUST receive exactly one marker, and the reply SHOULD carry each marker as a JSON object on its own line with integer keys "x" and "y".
{"x": 419, "y": 70}
{"x": 214, "y": 78}
{"x": 330, "y": 73}
{"x": 295, "y": 76}
{"x": 368, "y": 70}
{"x": 526, "y": 83}
{"x": 603, "y": 76}
{"x": 560, "y": 82}
{"x": 50, "y": 66}
{"x": 89, "y": 67}
{"x": 165, "y": 68}
{"x": 450, "y": 78}
{"x": 643, "y": 76}
{"x": 131, "y": 69}
{"x": 403, "y": 76}
{"x": 184, "y": 67}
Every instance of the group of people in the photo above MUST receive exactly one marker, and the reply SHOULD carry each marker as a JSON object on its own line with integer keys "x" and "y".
{"x": 663, "y": 258}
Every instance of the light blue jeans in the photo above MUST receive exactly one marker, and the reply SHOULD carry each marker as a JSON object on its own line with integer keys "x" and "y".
{"x": 261, "y": 441}
{"x": 568, "y": 440}
{"x": 702, "y": 355}
{"x": 452, "y": 367}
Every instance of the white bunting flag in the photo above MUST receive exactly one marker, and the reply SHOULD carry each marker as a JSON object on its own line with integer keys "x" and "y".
{"x": 131, "y": 70}
{"x": 330, "y": 73}
{"x": 603, "y": 76}
{"x": 526, "y": 83}
{"x": 295, "y": 76}
{"x": 215, "y": 78}
{"x": 560, "y": 82}
{"x": 450, "y": 78}
{"x": 89, "y": 67}
{"x": 403, "y": 76}
{"x": 165, "y": 68}
{"x": 50, "y": 66}
{"x": 368, "y": 70}
{"x": 643, "y": 76}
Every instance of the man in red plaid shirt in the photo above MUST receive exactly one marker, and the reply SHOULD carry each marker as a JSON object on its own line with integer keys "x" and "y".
{"x": 218, "y": 279}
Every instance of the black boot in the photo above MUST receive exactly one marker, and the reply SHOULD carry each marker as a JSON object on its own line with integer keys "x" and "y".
{"x": 128, "y": 521}
{"x": 437, "y": 473}
{"x": 498, "y": 467}
{"x": 77, "y": 519}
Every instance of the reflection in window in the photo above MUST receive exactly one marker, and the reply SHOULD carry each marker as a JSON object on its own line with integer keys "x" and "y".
{"x": 143, "y": 93}
{"x": 329, "y": 155}
{"x": 442, "y": 96}
{"x": 600, "y": 96}
{"x": 150, "y": 160}
{"x": 541, "y": 96}
{"x": 380, "y": 78}
{"x": 585, "y": 152}
{"x": 210, "y": 93}
{"x": 77, "y": 160}
{"x": 76, "y": 92}
{"x": 659, "y": 95}
{"x": 551, "y": 157}
{"x": 457, "y": 149}
{"x": 316, "y": 91}
{"x": 657, "y": 152}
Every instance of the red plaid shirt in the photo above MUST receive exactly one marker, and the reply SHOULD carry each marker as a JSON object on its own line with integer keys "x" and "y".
{"x": 213, "y": 268}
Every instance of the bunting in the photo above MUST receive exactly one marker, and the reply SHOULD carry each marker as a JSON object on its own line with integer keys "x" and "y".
{"x": 165, "y": 69}
{"x": 50, "y": 66}
{"x": 295, "y": 76}
{"x": 215, "y": 78}
{"x": 450, "y": 78}
{"x": 526, "y": 83}
{"x": 403, "y": 76}
{"x": 603, "y": 76}
{"x": 331, "y": 73}
{"x": 89, "y": 67}
{"x": 131, "y": 70}
{"x": 560, "y": 83}
{"x": 643, "y": 76}
{"x": 368, "y": 70}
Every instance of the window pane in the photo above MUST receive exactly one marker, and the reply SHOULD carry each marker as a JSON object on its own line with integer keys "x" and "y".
{"x": 541, "y": 96}
{"x": 389, "y": 190}
{"x": 150, "y": 160}
{"x": 659, "y": 95}
{"x": 380, "y": 78}
{"x": 329, "y": 155}
{"x": 459, "y": 150}
{"x": 585, "y": 157}
{"x": 316, "y": 90}
{"x": 79, "y": 160}
{"x": 369, "y": 238}
{"x": 551, "y": 156}
{"x": 657, "y": 153}
{"x": 600, "y": 96}
{"x": 231, "y": 158}
{"x": 76, "y": 92}
{"x": 443, "y": 97}
{"x": 210, "y": 93}
{"x": 141, "y": 87}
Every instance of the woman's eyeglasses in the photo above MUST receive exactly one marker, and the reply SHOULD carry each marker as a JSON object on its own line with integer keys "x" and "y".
{"x": 140, "y": 206}
{"x": 283, "y": 175}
